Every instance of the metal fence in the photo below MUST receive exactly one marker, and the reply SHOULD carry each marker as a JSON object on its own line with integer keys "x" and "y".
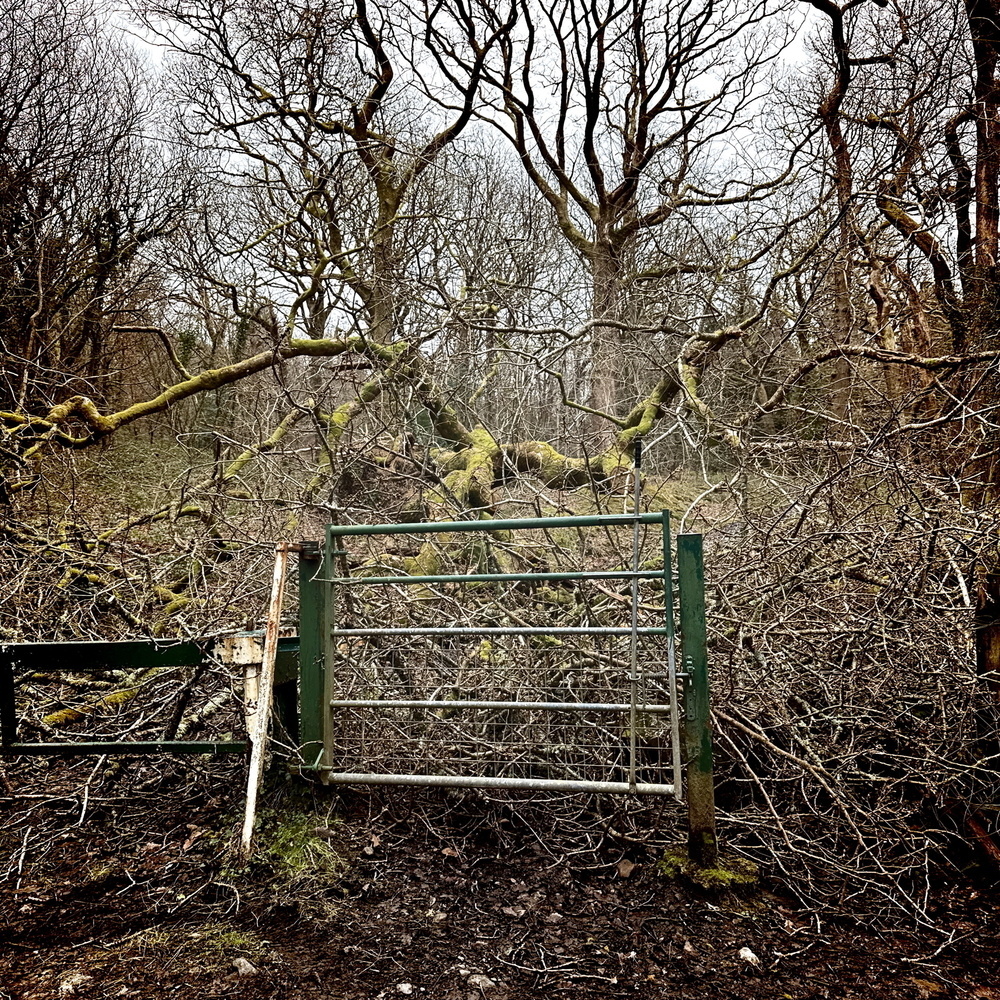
{"x": 480, "y": 654}
{"x": 492, "y": 662}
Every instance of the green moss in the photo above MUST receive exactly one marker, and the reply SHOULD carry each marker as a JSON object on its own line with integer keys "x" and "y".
{"x": 552, "y": 467}
{"x": 561, "y": 596}
{"x": 294, "y": 849}
{"x": 729, "y": 873}
{"x": 545, "y": 642}
{"x": 448, "y": 460}
{"x": 505, "y": 561}
{"x": 473, "y": 484}
{"x": 210, "y": 945}
{"x": 427, "y": 561}
{"x": 64, "y": 716}
{"x": 483, "y": 439}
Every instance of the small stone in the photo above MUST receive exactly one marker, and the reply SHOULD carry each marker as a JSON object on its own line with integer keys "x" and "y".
{"x": 404, "y": 988}
{"x": 243, "y": 967}
{"x": 483, "y": 982}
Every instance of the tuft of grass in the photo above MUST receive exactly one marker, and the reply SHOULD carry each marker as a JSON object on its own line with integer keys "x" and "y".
{"x": 301, "y": 859}
{"x": 207, "y": 946}
{"x": 300, "y": 847}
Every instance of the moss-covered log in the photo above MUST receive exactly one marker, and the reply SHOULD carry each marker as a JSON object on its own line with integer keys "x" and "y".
{"x": 472, "y": 463}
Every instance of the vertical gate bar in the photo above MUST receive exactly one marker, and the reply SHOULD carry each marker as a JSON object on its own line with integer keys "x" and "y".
{"x": 633, "y": 651}
{"x": 668, "y": 611}
{"x": 8, "y": 703}
{"x": 329, "y": 647}
{"x": 311, "y": 665}
{"x": 702, "y": 845}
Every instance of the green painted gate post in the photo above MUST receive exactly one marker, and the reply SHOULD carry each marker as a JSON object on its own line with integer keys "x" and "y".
{"x": 702, "y": 845}
{"x": 312, "y": 665}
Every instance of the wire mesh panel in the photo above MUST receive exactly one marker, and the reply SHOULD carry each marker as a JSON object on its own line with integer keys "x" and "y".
{"x": 484, "y": 656}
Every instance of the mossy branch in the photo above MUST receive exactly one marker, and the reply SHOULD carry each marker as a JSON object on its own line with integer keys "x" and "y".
{"x": 56, "y": 424}
{"x": 125, "y": 694}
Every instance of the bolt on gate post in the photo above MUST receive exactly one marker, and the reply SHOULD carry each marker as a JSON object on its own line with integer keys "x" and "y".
{"x": 702, "y": 845}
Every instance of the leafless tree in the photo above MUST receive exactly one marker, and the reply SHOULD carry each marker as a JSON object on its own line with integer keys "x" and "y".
{"x": 82, "y": 193}
{"x": 630, "y": 120}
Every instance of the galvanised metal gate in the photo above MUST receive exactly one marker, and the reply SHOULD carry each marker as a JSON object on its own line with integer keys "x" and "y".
{"x": 448, "y": 689}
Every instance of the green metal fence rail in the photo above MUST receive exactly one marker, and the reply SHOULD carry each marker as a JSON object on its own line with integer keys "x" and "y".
{"x": 91, "y": 657}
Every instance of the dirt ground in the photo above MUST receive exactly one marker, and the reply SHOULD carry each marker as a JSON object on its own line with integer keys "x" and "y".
{"x": 136, "y": 894}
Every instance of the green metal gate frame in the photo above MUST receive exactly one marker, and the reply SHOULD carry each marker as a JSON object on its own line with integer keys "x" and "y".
{"x": 318, "y": 584}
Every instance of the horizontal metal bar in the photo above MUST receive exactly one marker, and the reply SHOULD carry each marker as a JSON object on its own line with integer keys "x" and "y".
{"x": 427, "y": 527}
{"x": 82, "y": 657}
{"x": 501, "y": 577}
{"x": 585, "y": 630}
{"x": 471, "y": 781}
{"x": 439, "y": 703}
{"x": 120, "y": 747}
{"x": 86, "y": 657}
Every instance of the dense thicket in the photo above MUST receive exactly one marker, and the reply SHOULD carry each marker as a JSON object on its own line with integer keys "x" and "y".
{"x": 290, "y": 262}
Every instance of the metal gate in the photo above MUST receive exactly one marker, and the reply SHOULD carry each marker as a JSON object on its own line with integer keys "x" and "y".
{"x": 449, "y": 661}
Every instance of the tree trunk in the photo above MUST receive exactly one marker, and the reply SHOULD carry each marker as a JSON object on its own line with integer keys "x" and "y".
{"x": 608, "y": 350}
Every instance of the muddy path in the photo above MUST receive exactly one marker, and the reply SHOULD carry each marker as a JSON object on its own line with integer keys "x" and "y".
{"x": 360, "y": 899}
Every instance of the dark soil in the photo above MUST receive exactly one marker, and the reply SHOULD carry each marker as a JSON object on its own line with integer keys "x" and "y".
{"x": 408, "y": 896}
